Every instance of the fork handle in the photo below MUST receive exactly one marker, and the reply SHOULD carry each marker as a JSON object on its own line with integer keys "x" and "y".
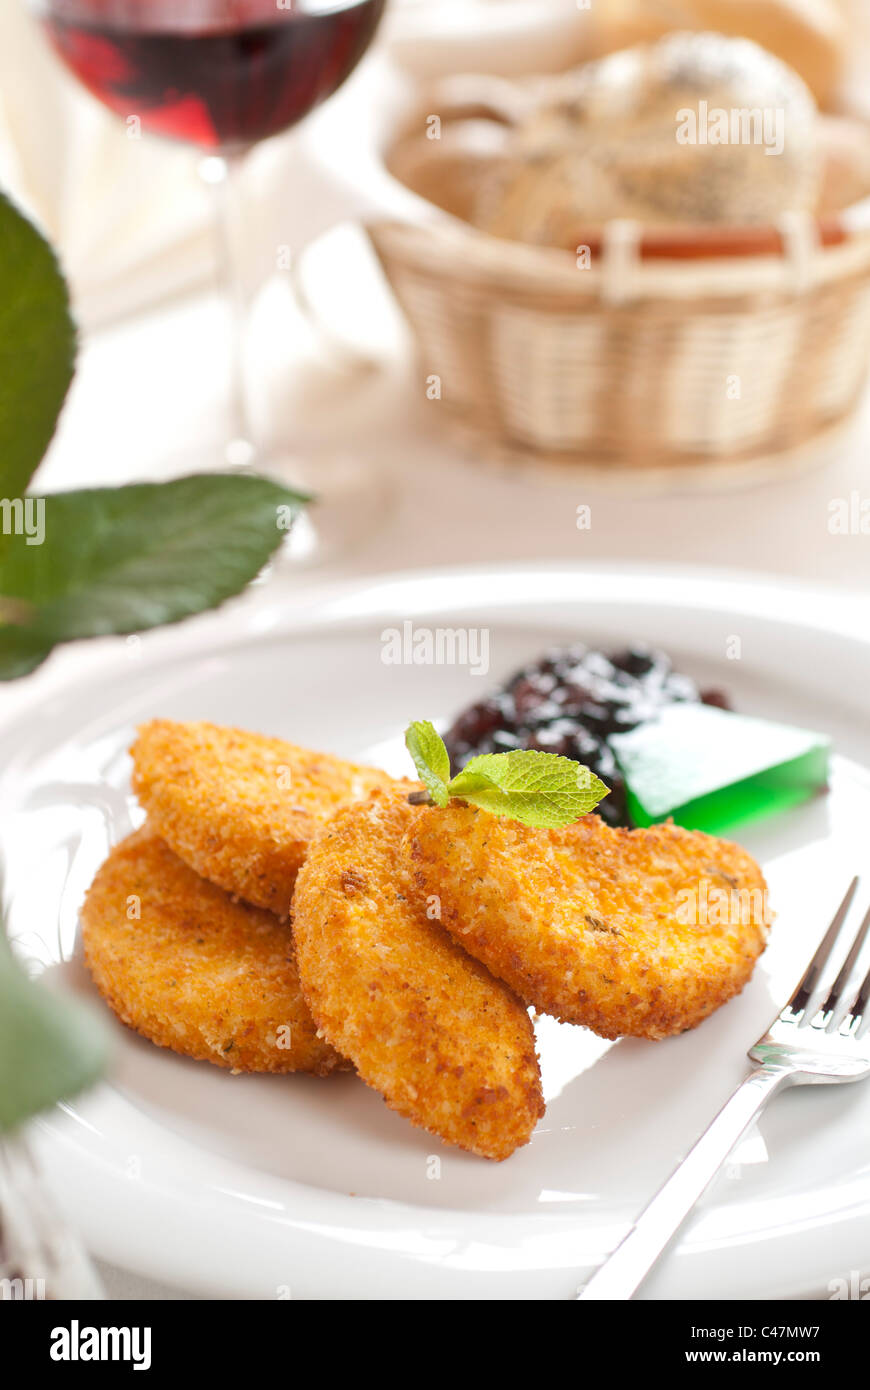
{"x": 622, "y": 1273}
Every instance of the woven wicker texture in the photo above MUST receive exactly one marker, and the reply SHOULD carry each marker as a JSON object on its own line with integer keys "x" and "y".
{"x": 655, "y": 350}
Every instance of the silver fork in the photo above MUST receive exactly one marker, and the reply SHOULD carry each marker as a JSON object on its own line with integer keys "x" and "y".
{"x": 800, "y": 1048}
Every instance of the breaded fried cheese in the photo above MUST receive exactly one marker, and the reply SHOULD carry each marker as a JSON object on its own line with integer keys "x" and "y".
{"x": 638, "y": 932}
{"x": 241, "y": 808}
{"x": 184, "y": 965}
{"x": 448, "y": 1046}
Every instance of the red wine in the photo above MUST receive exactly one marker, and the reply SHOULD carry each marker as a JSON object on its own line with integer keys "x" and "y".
{"x": 219, "y": 73}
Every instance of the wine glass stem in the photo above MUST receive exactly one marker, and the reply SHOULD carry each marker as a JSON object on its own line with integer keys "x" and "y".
{"x": 222, "y": 173}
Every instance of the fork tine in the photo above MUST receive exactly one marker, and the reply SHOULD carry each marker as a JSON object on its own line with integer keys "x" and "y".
{"x": 859, "y": 1008}
{"x": 803, "y": 993}
{"x": 830, "y": 1008}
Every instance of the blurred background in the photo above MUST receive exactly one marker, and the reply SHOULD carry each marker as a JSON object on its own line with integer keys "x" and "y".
{"x": 703, "y": 392}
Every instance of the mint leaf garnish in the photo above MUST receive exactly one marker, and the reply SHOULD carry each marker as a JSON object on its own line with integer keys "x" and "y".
{"x": 426, "y": 747}
{"x": 543, "y": 790}
{"x": 540, "y": 789}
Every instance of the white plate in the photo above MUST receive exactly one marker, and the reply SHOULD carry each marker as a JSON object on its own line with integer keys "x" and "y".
{"x": 289, "y": 1186}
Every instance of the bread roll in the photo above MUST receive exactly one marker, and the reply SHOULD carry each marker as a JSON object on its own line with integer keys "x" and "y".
{"x": 810, "y": 35}
{"x": 696, "y": 128}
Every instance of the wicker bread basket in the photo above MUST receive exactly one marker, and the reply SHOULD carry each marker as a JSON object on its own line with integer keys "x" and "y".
{"x": 662, "y": 349}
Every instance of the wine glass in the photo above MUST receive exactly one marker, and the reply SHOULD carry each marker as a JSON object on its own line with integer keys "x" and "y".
{"x": 221, "y": 75}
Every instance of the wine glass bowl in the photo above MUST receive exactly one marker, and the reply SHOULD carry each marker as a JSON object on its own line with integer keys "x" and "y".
{"x": 217, "y": 74}
{"x": 222, "y": 75}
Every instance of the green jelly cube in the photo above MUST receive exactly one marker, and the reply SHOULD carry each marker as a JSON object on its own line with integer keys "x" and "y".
{"x": 713, "y": 770}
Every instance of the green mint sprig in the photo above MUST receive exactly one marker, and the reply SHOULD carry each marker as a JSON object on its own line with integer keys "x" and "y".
{"x": 543, "y": 790}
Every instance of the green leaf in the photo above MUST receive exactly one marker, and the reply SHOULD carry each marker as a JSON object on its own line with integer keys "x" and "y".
{"x": 431, "y": 760}
{"x": 37, "y": 349}
{"x": 115, "y": 560}
{"x": 21, "y": 651}
{"x": 540, "y": 789}
{"x": 51, "y": 1047}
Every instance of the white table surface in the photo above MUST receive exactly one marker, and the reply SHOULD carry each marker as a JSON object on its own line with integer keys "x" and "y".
{"x": 147, "y": 402}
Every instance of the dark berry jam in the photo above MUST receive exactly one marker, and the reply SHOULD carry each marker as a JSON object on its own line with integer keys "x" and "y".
{"x": 570, "y": 702}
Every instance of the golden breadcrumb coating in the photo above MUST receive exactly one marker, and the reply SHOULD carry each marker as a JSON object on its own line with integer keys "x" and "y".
{"x": 448, "y": 1046}
{"x": 186, "y": 966}
{"x": 241, "y": 808}
{"x": 620, "y": 930}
